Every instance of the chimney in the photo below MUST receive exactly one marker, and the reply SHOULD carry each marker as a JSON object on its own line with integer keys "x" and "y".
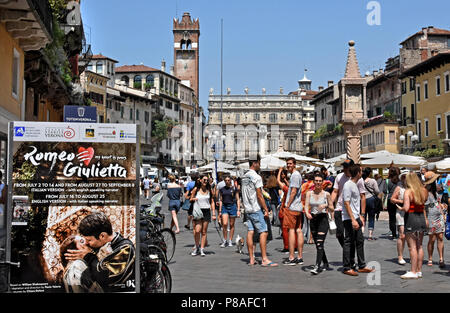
{"x": 375, "y": 72}
{"x": 431, "y": 28}
{"x": 381, "y": 71}
{"x": 330, "y": 83}
{"x": 163, "y": 65}
{"x": 320, "y": 88}
{"x": 172, "y": 69}
{"x": 434, "y": 52}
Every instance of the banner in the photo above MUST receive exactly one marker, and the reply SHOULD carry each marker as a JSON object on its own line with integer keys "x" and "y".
{"x": 74, "y": 207}
{"x": 80, "y": 114}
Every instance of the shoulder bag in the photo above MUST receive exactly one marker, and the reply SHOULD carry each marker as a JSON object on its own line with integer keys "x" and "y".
{"x": 378, "y": 203}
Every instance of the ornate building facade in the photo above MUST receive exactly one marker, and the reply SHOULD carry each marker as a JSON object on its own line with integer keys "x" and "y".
{"x": 263, "y": 123}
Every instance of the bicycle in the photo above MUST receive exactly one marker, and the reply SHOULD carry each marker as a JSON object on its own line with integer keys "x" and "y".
{"x": 154, "y": 224}
{"x": 155, "y": 274}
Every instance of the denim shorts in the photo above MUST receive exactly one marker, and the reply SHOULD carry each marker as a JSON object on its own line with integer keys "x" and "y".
{"x": 174, "y": 205}
{"x": 229, "y": 209}
{"x": 256, "y": 221}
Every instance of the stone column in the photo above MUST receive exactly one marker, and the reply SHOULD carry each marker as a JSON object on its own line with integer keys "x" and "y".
{"x": 352, "y": 92}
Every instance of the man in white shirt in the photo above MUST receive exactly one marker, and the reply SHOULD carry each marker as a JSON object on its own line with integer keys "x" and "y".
{"x": 351, "y": 215}
{"x": 293, "y": 214}
{"x": 339, "y": 183}
{"x": 253, "y": 201}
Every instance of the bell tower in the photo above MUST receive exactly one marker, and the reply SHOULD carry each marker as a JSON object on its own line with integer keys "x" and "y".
{"x": 186, "y": 34}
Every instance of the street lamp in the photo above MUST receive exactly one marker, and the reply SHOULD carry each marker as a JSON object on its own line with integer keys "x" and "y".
{"x": 217, "y": 145}
{"x": 413, "y": 139}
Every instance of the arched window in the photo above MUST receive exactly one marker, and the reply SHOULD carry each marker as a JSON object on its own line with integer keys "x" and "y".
{"x": 90, "y": 67}
{"x": 188, "y": 44}
{"x": 100, "y": 67}
{"x": 137, "y": 82}
{"x": 166, "y": 84}
{"x": 183, "y": 44}
{"x": 149, "y": 82}
{"x": 126, "y": 80}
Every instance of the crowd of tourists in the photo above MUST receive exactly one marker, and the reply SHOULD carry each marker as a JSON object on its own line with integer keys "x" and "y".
{"x": 310, "y": 205}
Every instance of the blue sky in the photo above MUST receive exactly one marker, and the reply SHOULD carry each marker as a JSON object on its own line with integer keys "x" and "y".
{"x": 266, "y": 43}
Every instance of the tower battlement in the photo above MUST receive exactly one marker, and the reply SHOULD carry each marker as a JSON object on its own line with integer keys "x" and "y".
{"x": 186, "y": 23}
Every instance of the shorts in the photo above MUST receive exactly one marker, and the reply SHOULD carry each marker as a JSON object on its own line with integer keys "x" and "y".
{"x": 292, "y": 219}
{"x": 229, "y": 209}
{"x": 174, "y": 205}
{"x": 256, "y": 221}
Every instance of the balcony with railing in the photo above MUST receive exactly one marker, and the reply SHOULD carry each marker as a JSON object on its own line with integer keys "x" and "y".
{"x": 30, "y": 22}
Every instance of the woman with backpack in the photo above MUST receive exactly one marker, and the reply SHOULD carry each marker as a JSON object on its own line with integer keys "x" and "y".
{"x": 436, "y": 219}
{"x": 203, "y": 199}
{"x": 229, "y": 209}
{"x": 372, "y": 200}
{"x": 388, "y": 187}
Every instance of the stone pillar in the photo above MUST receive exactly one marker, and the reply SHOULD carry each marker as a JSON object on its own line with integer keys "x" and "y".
{"x": 352, "y": 92}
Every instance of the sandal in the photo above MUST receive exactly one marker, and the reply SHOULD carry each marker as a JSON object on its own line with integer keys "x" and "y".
{"x": 441, "y": 264}
{"x": 271, "y": 264}
{"x": 430, "y": 263}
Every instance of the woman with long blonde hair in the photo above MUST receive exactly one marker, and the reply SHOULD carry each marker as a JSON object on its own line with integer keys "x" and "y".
{"x": 416, "y": 223}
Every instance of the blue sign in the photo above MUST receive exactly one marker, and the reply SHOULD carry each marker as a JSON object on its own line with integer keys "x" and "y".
{"x": 19, "y": 131}
{"x": 80, "y": 114}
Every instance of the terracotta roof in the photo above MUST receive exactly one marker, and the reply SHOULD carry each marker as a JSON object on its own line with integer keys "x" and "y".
{"x": 102, "y": 57}
{"x": 431, "y": 32}
{"x": 135, "y": 68}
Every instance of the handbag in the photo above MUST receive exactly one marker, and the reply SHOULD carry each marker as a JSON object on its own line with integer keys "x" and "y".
{"x": 186, "y": 205}
{"x": 197, "y": 212}
{"x": 332, "y": 225}
{"x": 378, "y": 202}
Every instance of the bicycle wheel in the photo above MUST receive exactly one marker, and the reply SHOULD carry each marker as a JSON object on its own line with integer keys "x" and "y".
{"x": 156, "y": 283}
{"x": 169, "y": 239}
{"x": 167, "y": 278}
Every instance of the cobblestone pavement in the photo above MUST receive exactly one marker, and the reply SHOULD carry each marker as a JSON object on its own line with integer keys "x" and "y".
{"x": 226, "y": 271}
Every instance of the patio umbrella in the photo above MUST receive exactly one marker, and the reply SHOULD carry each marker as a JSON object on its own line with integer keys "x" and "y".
{"x": 443, "y": 165}
{"x": 268, "y": 163}
{"x": 399, "y": 160}
{"x": 220, "y": 165}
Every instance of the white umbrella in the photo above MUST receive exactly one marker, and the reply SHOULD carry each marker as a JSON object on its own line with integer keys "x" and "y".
{"x": 221, "y": 165}
{"x": 337, "y": 161}
{"x": 399, "y": 160}
{"x": 268, "y": 163}
{"x": 443, "y": 165}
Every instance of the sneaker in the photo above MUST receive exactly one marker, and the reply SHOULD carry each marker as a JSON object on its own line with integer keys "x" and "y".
{"x": 285, "y": 251}
{"x": 389, "y": 233}
{"x": 402, "y": 262}
{"x": 202, "y": 253}
{"x": 290, "y": 262}
{"x": 410, "y": 275}
{"x": 230, "y": 243}
{"x": 299, "y": 261}
{"x": 316, "y": 270}
{"x": 194, "y": 252}
{"x": 326, "y": 267}
{"x": 224, "y": 244}
{"x": 419, "y": 274}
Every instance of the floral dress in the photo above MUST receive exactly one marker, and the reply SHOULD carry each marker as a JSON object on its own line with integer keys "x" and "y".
{"x": 435, "y": 215}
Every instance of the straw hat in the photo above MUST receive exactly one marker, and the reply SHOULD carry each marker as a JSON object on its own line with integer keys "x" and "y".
{"x": 430, "y": 177}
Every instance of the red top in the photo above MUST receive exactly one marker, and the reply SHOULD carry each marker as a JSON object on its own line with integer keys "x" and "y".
{"x": 414, "y": 207}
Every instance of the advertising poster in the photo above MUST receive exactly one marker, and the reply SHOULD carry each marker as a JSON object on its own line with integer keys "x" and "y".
{"x": 74, "y": 207}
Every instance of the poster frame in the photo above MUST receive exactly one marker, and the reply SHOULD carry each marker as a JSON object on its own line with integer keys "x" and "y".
{"x": 9, "y": 210}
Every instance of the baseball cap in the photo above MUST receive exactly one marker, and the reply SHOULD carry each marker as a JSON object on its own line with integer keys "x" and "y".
{"x": 347, "y": 163}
